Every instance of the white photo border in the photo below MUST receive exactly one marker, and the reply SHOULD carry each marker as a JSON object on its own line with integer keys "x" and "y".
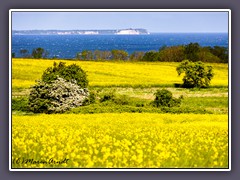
{"x": 120, "y": 169}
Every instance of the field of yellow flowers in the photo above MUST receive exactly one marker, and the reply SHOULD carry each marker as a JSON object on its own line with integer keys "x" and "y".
{"x": 123, "y": 140}
{"x": 127, "y": 140}
{"x": 125, "y": 74}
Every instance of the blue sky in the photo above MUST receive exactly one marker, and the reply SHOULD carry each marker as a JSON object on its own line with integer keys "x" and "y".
{"x": 152, "y": 21}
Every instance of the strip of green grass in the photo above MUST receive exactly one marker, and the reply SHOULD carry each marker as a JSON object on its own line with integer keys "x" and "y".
{"x": 123, "y": 103}
{"x": 205, "y": 102}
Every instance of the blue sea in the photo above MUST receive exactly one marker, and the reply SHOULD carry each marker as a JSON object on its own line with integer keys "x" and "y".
{"x": 67, "y": 46}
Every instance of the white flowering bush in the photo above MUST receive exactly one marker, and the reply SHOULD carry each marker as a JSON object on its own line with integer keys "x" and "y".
{"x": 57, "y": 96}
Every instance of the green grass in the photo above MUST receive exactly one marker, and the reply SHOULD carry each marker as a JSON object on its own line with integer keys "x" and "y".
{"x": 140, "y": 101}
{"x": 206, "y": 102}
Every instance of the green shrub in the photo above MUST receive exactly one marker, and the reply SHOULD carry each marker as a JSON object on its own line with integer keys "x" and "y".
{"x": 164, "y": 97}
{"x": 91, "y": 99}
{"x": 121, "y": 100}
{"x": 39, "y": 101}
{"x": 196, "y": 74}
{"x": 56, "y": 97}
{"x": 107, "y": 96}
{"x": 20, "y": 104}
{"x": 71, "y": 72}
{"x": 140, "y": 104}
{"x": 112, "y": 97}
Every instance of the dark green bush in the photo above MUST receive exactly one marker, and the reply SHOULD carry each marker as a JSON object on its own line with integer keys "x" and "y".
{"x": 38, "y": 98}
{"x": 107, "y": 96}
{"x": 91, "y": 99}
{"x": 71, "y": 72}
{"x": 164, "y": 98}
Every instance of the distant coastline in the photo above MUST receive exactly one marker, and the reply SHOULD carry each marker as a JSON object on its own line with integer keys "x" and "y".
{"x": 129, "y": 31}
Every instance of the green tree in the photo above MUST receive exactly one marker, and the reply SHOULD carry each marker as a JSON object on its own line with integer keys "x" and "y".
{"x": 151, "y": 56}
{"x": 162, "y": 48}
{"x": 196, "y": 74}
{"x": 119, "y": 54}
{"x": 78, "y": 56}
{"x": 106, "y": 55}
{"x": 191, "y": 51}
{"x": 24, "y": 53}
{"x": 206, "y": 56}
{"x": 39, "y": 53}
{"x": 102, "y": 55}
{"x": 172, "y": 54}
{"x": 97, "y": 55}
{"x": 69, "y": 73}
{"x": 60, "y": 89}
{"x": 87, "y": 55}
{"x": 220, "y": 52}
{"x": 137, "y": 55}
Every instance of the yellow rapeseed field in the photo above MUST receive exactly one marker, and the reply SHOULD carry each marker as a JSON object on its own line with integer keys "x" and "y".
{"x": 26, "y": 71}
{"x": 120, "y": 141}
